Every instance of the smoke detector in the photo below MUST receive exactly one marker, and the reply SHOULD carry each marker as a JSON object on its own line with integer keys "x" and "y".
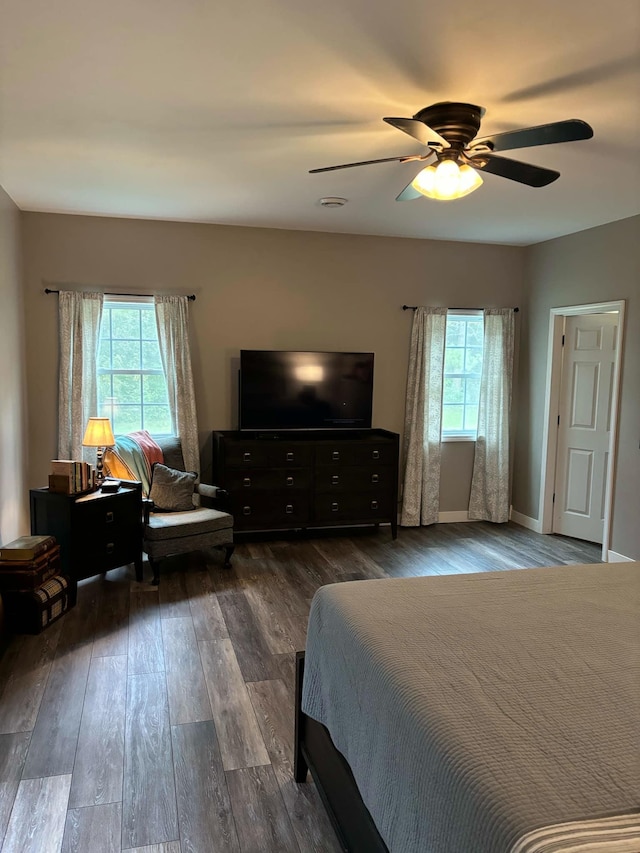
{"x": 333, "y": 201}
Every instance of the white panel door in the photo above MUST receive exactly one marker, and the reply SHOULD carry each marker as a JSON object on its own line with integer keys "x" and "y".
{"x": 588, "y": 363}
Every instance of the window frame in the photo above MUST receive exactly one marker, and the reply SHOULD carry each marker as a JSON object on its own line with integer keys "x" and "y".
{"x": 463, "y": 435}
{"x": 142, "y": 303}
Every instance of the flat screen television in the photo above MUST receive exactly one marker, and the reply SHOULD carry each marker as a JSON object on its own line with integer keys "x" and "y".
{"x": 305, "y": 390}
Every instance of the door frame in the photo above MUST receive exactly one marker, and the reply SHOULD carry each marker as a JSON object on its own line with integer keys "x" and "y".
{"x": 552, "y": 409}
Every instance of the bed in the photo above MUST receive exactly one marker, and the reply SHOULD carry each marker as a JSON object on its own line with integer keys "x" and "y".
{"x": 480, "y": 713}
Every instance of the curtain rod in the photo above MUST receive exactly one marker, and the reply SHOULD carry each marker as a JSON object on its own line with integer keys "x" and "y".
{"x": 191, "y": 296}
{"x": 413, "y": 308}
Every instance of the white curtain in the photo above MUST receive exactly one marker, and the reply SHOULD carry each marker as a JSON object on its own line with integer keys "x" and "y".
{"x": 423, "y": 417}
{"x": 172, "y": 320}
{"x": 80, "y": 315}
{"x": 489, "y": 499}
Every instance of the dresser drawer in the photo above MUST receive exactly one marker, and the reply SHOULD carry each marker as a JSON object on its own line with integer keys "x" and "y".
{"x": 294, "y": 454}
{"x": 376, "y": 453}
{"x": 256, "y": 479}
{"x": 262, "y": 454}
{"x": 337, "y": 453}
{"x": 101, "y": 514}
{"x": 247, "y": 454}
{"x": 94, "y": 556}
{"x": 354, "y": 478}
{"x": 270, "y": 510}
{"x": 356, "y": 453}
{"x": 363, "y": 507}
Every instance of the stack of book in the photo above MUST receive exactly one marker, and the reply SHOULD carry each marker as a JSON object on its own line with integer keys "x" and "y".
{"x": 70, "y": 477}
{"x": 28, "y": 562}
{"x": 34, "y": 591}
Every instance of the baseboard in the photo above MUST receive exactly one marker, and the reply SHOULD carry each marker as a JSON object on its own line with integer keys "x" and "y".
{"x": 526, "y": 521}
{"x": 462, "y": 515}
{"x": 614, "y": 557}
{"x": 453, "y": 517}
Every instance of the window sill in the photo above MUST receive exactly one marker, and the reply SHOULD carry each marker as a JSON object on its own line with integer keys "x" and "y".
{"x": 448, "y": 438}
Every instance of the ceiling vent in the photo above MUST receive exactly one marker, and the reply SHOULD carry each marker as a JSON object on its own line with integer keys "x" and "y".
{"x": 332, "y": 201}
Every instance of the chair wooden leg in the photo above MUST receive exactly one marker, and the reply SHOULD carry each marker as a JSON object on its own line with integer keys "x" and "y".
{"x": 155, "y": 568}
{"x": 228, "y": 551}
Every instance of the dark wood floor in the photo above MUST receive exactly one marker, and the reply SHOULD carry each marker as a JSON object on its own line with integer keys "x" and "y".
{"x": 161, "y": 721}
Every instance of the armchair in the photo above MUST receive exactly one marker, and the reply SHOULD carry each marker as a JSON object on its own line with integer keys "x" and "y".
{"x": 206, "y": 525}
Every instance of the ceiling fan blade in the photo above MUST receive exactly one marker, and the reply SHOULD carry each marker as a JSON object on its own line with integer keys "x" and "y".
{"x": 409, "y": 193}
{"x": 420, "y": 131}
{"x": 514, "y": 170}
{"x": 544, "y": 134}
{"x": 402, "y": 159}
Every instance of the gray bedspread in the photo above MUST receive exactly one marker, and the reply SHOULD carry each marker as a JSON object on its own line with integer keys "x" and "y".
{"x": 475, "y": 708}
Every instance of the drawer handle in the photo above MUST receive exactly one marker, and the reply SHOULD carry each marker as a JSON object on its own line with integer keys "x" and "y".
{"x": 246, "y": 510}
{"x": 375, "y": 454}
{"x": 335, "y": 479}
{"x": 374, "y": 504}
{"x": 247, "y": 456}
{"x": 335, "y": 455}
{"x": 289, "y": 456}
{"x": 289, "y": 481}
{"x": 288, "y": 509}
{"x": 246, "y": 482}
{"x": 110, "y": 547}
{"x": 375, "y": 478}
{"x": 109, "y": 517}
{"x": 334, "y": 506}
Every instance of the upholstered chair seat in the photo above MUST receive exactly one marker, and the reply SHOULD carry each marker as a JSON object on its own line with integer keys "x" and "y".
{"x": 164, "y": 526}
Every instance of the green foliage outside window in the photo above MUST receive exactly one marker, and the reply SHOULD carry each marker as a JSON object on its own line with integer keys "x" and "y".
{"x": 462, "y": 373}
{"x": 132, "y": 389}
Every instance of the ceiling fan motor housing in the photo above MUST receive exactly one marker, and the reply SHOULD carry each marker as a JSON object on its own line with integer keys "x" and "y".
{"x": 457, "y": 123}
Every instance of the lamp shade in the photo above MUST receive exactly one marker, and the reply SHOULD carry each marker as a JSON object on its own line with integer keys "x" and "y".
{"x": 98, "y": 433}
{"x": 446, "y": 181}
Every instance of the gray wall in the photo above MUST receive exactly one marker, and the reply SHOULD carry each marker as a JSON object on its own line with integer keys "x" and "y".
{"x": 259, "y": 289}
{"x": 13, "y": 424}
{"x": 597, "y": 265}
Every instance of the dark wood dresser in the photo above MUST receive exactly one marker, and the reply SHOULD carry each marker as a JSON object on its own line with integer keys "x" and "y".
{"x": 96, "y": 532}
{"x": 302, "y": 479}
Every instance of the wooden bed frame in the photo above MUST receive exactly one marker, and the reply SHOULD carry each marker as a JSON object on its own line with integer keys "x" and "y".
{"x": 315, "y": 751}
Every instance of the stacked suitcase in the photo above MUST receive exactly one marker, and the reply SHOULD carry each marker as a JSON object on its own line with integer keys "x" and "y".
{"x": 34, "y": 592}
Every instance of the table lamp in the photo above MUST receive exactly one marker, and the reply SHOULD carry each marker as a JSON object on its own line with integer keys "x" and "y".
{"x": 98, "y": 434}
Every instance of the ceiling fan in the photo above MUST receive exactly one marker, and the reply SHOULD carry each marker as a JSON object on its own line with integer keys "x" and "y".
{"x": 448, "y": 130}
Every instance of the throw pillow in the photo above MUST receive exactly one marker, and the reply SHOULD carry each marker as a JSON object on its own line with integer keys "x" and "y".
{"x": 172, "y": 490}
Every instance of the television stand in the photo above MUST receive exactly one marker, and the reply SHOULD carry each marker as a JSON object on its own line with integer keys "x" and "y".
{"x": 304, "y": 479}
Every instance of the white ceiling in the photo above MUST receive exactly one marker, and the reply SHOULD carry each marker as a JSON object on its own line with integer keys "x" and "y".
{"x": 215, "y": 111}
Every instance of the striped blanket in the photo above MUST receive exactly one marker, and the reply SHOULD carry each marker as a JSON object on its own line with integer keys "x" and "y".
{"x": 617, "y": 834}
{"x": 132, "y": 458}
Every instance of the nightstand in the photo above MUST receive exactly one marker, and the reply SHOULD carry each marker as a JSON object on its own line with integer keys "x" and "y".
{"x": 96, "y": 532}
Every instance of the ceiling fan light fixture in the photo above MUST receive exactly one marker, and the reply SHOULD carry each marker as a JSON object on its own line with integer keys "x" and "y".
{"x": 446, "y": 181}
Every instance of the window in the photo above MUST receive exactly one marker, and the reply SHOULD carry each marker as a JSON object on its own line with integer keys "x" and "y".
{"x": 462, "y": 373}
{"x": 132, "y": 390}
